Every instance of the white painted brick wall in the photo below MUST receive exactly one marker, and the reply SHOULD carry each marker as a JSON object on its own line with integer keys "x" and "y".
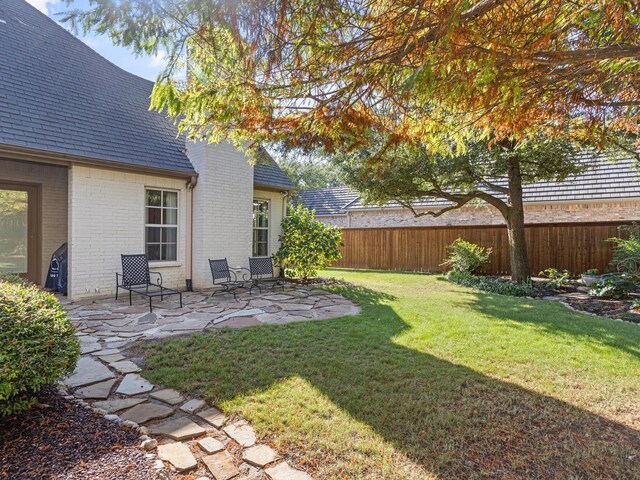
{"x": 53, "y": 186}
{"x": 106, "y": 219}
{"x": 222, "y": 215}
{"x": 276, "y": 205}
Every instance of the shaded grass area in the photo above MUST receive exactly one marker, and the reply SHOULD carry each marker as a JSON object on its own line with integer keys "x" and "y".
{"x": 431, "y": 380}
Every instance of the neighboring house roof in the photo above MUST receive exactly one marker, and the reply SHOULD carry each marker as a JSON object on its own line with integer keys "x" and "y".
{"x": 603, "y": 180}
{"x": 57, "y": 95}
{"x": 267, "y": 173}
{"x": 328, "y": 201}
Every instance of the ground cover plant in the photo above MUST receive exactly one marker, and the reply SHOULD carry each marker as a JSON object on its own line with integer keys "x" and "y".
{"x": 431, "y": 380}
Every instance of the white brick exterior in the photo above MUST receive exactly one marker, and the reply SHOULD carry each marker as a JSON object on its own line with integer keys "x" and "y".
{"x": 53, "y": 188}
{"x": 277, "y": 204}
{"x": 101, "y": 213}
{"x": 222, "y": 208}
{"x": 106, "y": 219}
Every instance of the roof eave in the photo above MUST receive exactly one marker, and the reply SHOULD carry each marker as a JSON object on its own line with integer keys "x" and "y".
{"x": 16, "y": 152}
{"x": 273, "y": 188}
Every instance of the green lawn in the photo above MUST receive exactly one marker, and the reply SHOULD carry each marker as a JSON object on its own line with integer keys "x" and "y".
{"x": 431, "y": 380}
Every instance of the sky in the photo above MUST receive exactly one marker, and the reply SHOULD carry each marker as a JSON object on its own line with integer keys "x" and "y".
{"x": 144, "y": 66}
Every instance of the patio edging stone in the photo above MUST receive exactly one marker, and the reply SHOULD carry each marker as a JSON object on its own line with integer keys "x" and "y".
{"x": 192, "y": 420}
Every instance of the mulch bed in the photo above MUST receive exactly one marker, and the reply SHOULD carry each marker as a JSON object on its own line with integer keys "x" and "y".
{"x": 62, "y": 440}
{"x": 577, "y": 295}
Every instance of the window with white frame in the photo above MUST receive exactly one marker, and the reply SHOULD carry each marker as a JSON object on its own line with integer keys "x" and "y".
{"x": 161, "y": 224}
{"x": 260, "y": 228}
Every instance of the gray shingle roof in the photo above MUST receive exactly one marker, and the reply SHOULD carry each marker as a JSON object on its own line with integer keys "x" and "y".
{"x": 58, "y": 95}
{"x": 603, "y": 180}
{"x": 327, "y": 201}
{"x": 267, "y": 173}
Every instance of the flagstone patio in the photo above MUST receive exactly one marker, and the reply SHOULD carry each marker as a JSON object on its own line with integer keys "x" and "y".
{"x": 190, "y": 436}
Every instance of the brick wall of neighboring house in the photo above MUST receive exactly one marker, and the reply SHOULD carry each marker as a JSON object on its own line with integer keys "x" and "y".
{"x": 222, "y": 215}
{"x": 588, "y": 211}
{"x": 277, "y": 204}
{"x": 53, "y": 186}
{"x": 106, "y": 219}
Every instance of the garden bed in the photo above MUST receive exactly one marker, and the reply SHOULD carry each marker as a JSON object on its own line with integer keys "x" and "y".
{"x": 578, "y": 297}
{"x": 574, "y": 293}
{"x": 61, "y": 440}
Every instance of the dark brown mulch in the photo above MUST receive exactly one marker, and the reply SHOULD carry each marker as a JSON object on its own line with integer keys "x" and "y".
{"x": 606, "y": 307}
{"x": 65, "y": 441}
{"x": 577, "y": 295}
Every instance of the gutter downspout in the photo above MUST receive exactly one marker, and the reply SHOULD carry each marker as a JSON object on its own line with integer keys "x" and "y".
{"x": 191, "y": 183}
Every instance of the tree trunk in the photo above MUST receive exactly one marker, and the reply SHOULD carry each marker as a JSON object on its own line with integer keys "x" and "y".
{"x": 515, "y": 224}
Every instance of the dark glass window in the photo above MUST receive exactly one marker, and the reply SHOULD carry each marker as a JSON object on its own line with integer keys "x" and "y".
{"x": 260, "y": 228}
{"x": 161, "y": 227}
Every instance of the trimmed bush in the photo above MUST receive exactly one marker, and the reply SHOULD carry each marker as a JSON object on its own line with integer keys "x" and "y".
{"x": 490, "y": 285}
{"x": 466, "y": 256}
{"x": 37, "y": 343}
{"x": 307, "y": 245}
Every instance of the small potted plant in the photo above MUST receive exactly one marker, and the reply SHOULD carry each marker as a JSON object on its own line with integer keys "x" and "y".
{"x": 590, "y": 277}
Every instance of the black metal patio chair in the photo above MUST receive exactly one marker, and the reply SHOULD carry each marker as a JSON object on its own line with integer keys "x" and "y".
{"x": 136, "y": 278}
{"x": 226, "y": 278}
{"x": 261, "y": 273}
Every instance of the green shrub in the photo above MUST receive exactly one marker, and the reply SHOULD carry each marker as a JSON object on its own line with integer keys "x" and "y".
{"x": 555, "y": 278}
{"x": 307, "y": 245}
{"x": 626, "y": 251}
{"x": 614, "y": 286}
{"x": 37, "y": 343}
{"x": 490, "y": 285}
{"x": 466, "y": 257}
{"x": 13, "y": 278}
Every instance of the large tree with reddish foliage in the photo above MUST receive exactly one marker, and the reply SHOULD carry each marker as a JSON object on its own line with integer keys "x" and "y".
{"x": 441, "y": 74}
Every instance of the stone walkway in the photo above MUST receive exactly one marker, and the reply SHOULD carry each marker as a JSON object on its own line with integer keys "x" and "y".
{"x": 184, "y": 436}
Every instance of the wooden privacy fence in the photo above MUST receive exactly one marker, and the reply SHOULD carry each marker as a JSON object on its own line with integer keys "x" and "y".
{"x": 572, "y": 246}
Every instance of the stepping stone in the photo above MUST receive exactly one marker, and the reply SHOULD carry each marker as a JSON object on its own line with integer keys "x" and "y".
{"x": 88, "y": 371}
{"x": 111, "y": 316}
{"x": 112, "y": 406}
{"x": 89, "y": 348}
{"x": 178, "y": 455}
{"x": 295, "y": 306}
{"x": 125, "y": 366}
{"x": 187, "y": 325}
{"x": 239, "y": 313}
{"x": 259, "y": 455}
{"x": 283, "y": 471}
{"x": 213, "y": 416}
{"x": 176, "y": 312}
{"x": 178, "y": 429}
{"x": 192, "y": 405}
{"x": 93, "y": 313}
{"x": 133, "y": 384}
{"x": 97, "y": 391}
{"x": 106, "y": 351}
{"x": 147, "y": 318}
{"x": 242, "y": 433}
{"x": 130, "y": 335}
{"x": 239, "y": 322}
{"x": 145, "y": 412}
{"x": 121, "y": 322}
{"x": 210, "y": 445}
{"x": 221, "y": 466}
{"x": 167, "y": 395}
{"x": 116, "y": 357}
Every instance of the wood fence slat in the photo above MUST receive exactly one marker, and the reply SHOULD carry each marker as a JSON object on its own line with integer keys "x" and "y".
{"x": 572, "y": 246}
